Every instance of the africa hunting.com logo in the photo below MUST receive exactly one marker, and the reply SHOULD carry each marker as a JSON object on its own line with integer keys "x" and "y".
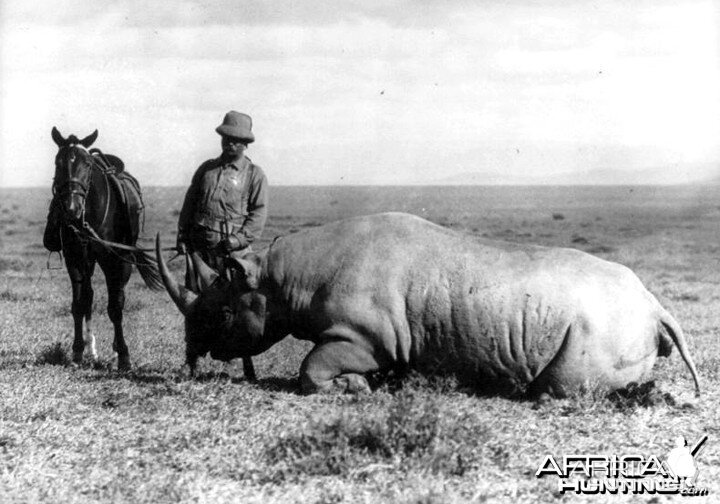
{"x": 628, "y": 474}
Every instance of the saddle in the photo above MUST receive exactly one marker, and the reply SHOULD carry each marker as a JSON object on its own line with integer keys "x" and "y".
{"x": 127, "y": 188}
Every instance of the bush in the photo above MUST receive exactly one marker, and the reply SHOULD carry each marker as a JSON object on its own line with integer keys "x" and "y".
{"x": 14, "y": 264}
{"x": 640, "y": 395}
{"x": 8, "y": 295}
{"x": 54, "y": 355}
{"x": 601, "y": 249}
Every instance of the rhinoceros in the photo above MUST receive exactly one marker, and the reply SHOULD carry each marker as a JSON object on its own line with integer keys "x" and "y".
{"x": 394, "y": 292}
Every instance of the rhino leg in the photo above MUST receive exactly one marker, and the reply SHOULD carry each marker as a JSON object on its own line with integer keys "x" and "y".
{"x": 191, "y": 358}
{"x": 587, "y": 361}
{"x": 336, "y": 366}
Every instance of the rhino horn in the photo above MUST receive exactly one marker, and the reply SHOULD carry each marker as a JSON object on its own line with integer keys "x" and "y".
{"x": 181, "y": 296}
{"x": 190, "y": 275}
{"x": 206, "y": 274}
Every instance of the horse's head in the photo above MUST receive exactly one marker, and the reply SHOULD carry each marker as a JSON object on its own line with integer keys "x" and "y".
{"x": 73, "y": 168}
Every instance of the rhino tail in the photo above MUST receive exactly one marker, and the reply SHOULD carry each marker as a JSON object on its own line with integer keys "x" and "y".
{"x": 670, "y": 329}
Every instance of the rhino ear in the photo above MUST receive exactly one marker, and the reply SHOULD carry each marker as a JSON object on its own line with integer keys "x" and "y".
{"x": 57, "y": 137}
{"x": 247, "y": 270}
{"x": 205, "y": 273}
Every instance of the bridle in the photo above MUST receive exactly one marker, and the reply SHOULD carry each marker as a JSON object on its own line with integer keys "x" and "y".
{"x": 75, "y": 185}
{"x": 75, "y": 188}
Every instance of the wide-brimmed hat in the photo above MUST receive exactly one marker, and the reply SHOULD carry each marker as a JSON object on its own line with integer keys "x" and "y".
{"x": 237, "y": 125}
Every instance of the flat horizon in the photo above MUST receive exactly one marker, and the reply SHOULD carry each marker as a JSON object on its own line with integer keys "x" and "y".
{"x": 182, "y": 186}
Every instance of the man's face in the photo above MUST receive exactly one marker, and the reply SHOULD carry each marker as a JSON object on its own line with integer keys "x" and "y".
{"x": 232, "y": 147}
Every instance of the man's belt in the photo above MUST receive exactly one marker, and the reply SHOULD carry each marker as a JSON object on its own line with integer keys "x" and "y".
{"x": 217, "y": 223}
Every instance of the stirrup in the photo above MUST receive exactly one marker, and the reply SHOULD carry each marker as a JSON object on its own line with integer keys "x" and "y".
{"x": 60, "y": 256}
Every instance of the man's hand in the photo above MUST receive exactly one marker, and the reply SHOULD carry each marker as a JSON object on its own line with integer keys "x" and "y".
{"x": 180, "y": 245}
{"x": 230, "y": 243}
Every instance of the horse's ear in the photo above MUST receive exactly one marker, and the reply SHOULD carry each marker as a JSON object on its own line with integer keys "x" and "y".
{"x": 89, "y": 140}
{"x": 57, "y": 137}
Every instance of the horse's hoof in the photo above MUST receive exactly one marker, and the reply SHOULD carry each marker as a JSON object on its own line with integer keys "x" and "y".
{"x": 77, "y": 358}
{"x": 124, "y": 364}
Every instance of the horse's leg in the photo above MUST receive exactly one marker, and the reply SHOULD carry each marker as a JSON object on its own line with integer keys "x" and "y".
{"x": 89, "y": 335}
{"x": 117, "y": 274}
{"x": 81, "y": 279}
{"x": 249, "y": 369}
{"x": 78, "y": 314}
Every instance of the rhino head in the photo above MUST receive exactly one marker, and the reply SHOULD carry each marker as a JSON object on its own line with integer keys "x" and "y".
{"x": 223, "y": 317}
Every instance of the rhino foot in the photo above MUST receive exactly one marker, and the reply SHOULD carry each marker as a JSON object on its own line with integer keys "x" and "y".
{"x": 348, "y": 382}
{"x": 352, "y": 382}
{"x": 337, "y": 365}
{"x": 542, "y": 400}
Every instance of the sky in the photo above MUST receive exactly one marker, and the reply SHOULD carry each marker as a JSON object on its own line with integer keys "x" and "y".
{"x": 369, "y": 92}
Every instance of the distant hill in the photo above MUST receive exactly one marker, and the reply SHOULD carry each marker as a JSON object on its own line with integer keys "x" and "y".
{"x": 696, "y": 174}
{"x": 713, "y": 181}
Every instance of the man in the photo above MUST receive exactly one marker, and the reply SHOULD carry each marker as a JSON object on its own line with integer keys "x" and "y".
{"x": 225, "y": 207}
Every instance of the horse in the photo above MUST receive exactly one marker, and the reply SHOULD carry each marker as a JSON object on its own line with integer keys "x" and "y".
{"x": 96, "y": 225}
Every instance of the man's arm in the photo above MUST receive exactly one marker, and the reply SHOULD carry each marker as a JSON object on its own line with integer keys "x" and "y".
{"x": 254, "y": 223}
{"x": 189, "y": 204}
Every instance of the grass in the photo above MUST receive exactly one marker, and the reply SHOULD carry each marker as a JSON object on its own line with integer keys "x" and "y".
{"x": 89, "y": 433}
{"x": 409, "y": 432}
{"x": 408, "y": 429}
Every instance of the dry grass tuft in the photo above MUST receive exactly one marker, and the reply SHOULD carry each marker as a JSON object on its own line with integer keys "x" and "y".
{"x": 8, "y": 295}
{"x": 601, "y": 249}
{"x": 53, "y": 355}
{"x": 644, "y": 395}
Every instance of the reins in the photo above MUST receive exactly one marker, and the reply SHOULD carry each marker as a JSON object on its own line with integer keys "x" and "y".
{"x": 93, "y": 236}
{"x": 86, "y": 233}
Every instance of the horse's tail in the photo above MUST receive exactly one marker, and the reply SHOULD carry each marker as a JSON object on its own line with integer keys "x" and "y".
{"x": 148, "y": 268}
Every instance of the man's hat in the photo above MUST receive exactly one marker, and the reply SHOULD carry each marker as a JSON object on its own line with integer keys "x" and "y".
{"x": 238, "y": 125}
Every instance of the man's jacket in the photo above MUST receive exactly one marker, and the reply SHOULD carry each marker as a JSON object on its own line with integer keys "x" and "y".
{"x": 226, "y": 197}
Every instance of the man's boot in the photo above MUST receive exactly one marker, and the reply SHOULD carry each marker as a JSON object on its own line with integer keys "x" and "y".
{"x": 51, "y": 238}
